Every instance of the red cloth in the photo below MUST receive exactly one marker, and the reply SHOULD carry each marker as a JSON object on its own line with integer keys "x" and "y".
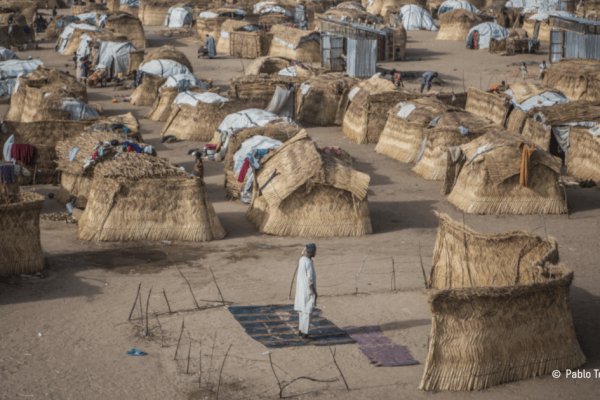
{"x": 244, "y": 170}
{"x": 23, "y": 153}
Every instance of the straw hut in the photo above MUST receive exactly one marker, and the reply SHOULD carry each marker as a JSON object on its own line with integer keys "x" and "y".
{"x": 124, "y": 24}
{"x": 281, "y": 131}
{"x": 300, "y": 191}
{"x": 367, "y": 113}
{"x": 22, "y": 36}
{"x": 453, "y": 128}
{"x": 351, "y": 11}
{"x": 385, "y": 7}
{"x": 492, "y": 304}
{"x": 295, "y": 44}
{"x": 266, "y": 65}
{"x": 145, "y": 94}
{"x": 577, "y": 79}
{"x": 249, "y": 42}
{"x": 153, "y": 12}
{"x": 209, "y": 21}
{"x": 77, "y": 172}
{"x": 168, "y": 52}
{"x": 455, "y": 25}
{"x": 227, "y": 27}
{"x": 271, "y": 12}
{"x": 139, "y": 197}
{"x": 258, "y": 90}
{"x": 512, "y": 176}
{"x": 84, "y": 8}
{"x": 583, "y": 154}
{"x": 403, "y": 135}
{"x": 322, "y": 100}
{"x": 493, "y": 106}
{"x": 20, "y": 244}
{"x": 161, "y": 108}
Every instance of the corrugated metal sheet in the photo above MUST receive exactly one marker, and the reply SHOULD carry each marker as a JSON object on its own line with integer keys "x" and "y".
{"x": 361, "y": 59}
{"x": 568, "y": 44}
{"x": 332, "y": 49}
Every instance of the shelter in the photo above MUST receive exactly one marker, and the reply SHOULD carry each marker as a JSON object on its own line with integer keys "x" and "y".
{"x": 492, "y": 298}
{"x": 387, "y": 7}
{"x": 573, "y": 38}
{"x": 209, "y": 21}
{"x": 274, "y": 12}
{"x": 168, "y": 92}
{"x": 367, "y": 113}
{"x": 258, "y": 90}
{"x": 456, "y": 24}
{"x": 168, "y": 52}
{"x": 229, "y": 26}
{"x": 280, "y": 131}
{"x": 168, "y": 203}
{"x": 129, "y": 6}
{"x": 244, "y": 41}
{"x": 494, "y": 106}
{"x": 415, "y": 18}
{"x": 577, "y": 79}
{"x": 11, "y": 69}
{"x": 56, "y": 25}
{"x": 21, "y": 35}
{"x": 503, "y": 174}
{"x": 125, "y": 24}
{"x": 351, "y": 11}
{"x": 179, "y": 17}
{"x": 453, "y": 5}
{"x": 479, "y": 36}
{"x": 301, "y": 191}
{"x": 68, "y": 40}
{"x": 83, "y": 8}
{"x": 403, "y": 135}
{"x": 114, "y": 57}
{"x": 295, "y": 44}
{"x": 153, "y": 12}
{"x": 322, "y": 100}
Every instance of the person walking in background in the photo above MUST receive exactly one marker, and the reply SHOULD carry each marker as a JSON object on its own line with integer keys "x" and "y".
{"x": 306, "y": 289}
{"x": 543, "y": 68}
{"x": 209, "y": 45}
{"x": 523, "y": 70}
{"x": 397, "y": 79}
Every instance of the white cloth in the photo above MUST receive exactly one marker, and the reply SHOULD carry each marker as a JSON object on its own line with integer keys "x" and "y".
{"x": 487, "y": 31}
{"x": 193, "y": 98}
{"x": 164, "y": 68}
{"x": 303, "y": 322}
{"x": 305, "y": 277}
{"x": 415, "y": 18}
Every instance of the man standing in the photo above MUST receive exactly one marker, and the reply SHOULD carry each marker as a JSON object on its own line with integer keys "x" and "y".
{"x": 209, "y": 45}
{"x": 306, "y": 289}
{"x": 523, "y": 70}
{"x": 543, "y": 68}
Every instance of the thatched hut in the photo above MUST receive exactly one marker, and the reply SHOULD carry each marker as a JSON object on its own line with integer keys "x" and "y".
{"x": 273, "y": 12}
{"x": 209, "y": 21}
{"x": 583, "y": 154}
{"x": 455, "y": 25}
{"x": 257, "y": 90}
{"x": 577, "y": 79}
{"x": 224, "y": 36}
{"x": 300, "y": 191}
{"x": 351, "y": 11}
{"x": 503, "y": 174}
{"x": 367, "y": 113}
{"x": 168, "y": 52}
{"x": 140, "y": 197}
{"x": 453, "y": 128}
{"x": 385, "y": 7}
{"x": 248, "y": 41}
{"x": 322, "y": 100}
{"x": 146, "y": 92}
{"x": 161, "y": 108}
{"x": 403, "y": 135}
{"x": 493, "y": 299}
{"x": 266, "y": 65}
{"x": 124, "y": 24}
{"x": 295, "y": 44}
{"x": 493, "y": 106}
{"x": 153, "y": 12}
{"x": 22, "y": 36}
{"x": 83, "y": 8}
{"x": 20, "y": 244}
{"x": 281, "y": 131}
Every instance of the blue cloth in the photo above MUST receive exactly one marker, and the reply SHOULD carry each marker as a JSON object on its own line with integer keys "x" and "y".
{"x": 136, "y": 352}
{"x": 73, "y": 153}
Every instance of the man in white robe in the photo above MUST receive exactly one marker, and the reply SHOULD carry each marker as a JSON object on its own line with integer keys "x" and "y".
{"x": 306, "y": 288}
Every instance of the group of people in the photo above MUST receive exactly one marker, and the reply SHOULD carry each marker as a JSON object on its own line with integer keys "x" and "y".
{"x": 543, "y": 67}
{"x": 426, "y": 79}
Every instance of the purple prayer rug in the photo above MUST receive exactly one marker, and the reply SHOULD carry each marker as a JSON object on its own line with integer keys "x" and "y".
{"x": 378, "y": 348}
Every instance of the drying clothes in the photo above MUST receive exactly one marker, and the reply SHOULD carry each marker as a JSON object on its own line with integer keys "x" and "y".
{"x": 23, "y": 153}
{"x": 7, "y": 174}
{"x": 6, "y": 151}
{"x": 526, "y": 153}
{"x": 244, "y": 170}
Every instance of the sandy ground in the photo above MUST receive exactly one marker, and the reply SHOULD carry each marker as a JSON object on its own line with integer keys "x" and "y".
{"x": 65, "y": 336}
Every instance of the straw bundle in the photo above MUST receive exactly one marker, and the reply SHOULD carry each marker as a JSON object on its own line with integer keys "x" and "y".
{"x": 490, "y": 182}
{"x": 577, "y": 79}
{"x": 295, "y": 44}
{"x": 257, "y": 90}
{"x": 300, "y": 191}
{"x": 20, "y": 235}
{"x": 492, "y": 106}
{"x": 280, "y": 130}
{"x": 583, "y": 155}
{"x": 161, "y": 109}
{"x": 321, "y": 100}
{"x": 447, "y": 133}
{"x": 401, "y": 138}
{"x": 351, "y": 11}
{"x": 168, "y": 52}
{"x": 249, "y": 44}
{"x": 138, "y": 197}
{"x": 146, "y": 92}
{"x": 368, "y": 110}
{"x": 223, "y": 38}
{"x": 455, "y": 25}
{"x": 77, "y": 9}
{"x": 266, "y": 65}
{"x": 124, "y": 24}
{"x": 153, "y": 12}
{"x": 494, "y": 299}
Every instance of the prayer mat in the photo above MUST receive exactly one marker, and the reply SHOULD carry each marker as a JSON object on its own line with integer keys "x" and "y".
{"x": 378, "y": 348}
{"x": 276, "y": 326}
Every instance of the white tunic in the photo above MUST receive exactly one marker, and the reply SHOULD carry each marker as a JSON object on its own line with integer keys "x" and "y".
{"x": 305, "y": 299}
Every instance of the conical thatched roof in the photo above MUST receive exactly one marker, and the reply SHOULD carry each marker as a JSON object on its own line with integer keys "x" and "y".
{"x": 455, "y": 25}
{"x": 299, "y": 191}
{"x": 125, "y": 24}
{"x": 168, "y": 53}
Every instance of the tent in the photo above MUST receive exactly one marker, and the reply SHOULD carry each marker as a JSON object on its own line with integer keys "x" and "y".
{"x": 179, "y": 17}
{"x": 451, "y": 5}
{"x": 114, "y": 57}
{"x": 209, "y": 21}
{"x": 65, "y": 36}
{"x": 456, "y": 24}
{"x": 6, "y": 54}
{"x": 163, "y": 68}
{"x": 497, "y": 300}
{"x": 416, "y": 18}
{"x": 479, "y": 36}
{"x": 77, "y": 110}
{"x": 11, "y": 69}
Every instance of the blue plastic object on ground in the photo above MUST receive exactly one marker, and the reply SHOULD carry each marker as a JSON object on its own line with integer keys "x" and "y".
{"x": 136, "y": 352}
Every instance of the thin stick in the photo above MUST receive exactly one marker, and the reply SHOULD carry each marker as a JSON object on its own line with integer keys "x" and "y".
{"x": 141, "y": 309}
{"x": 189, "y": 286}
{"x": 292, "y": 284}
{"x": 466, "y": 250}
{"x": 217, "y": 285}
{"x": 212, "y": 353}
{"x": 200, "y": 366}
{"x": 423, "y": 268}
{"x": 187, "y": 369}
{"x": 162, "y": 336}
{"x": 147, "y": 329}
{"x": 338, "y": 368}
{"x": 167, "y": 300}
{"x": 308, "y": 378}
{"x": 179, "y": 340}
{"x": 134, "y": 301}
{"x": 275, "y": 374}
{"x": 221, "y": 371}
{"x": 393, "y": 275}
{"x": 358, "y": 274}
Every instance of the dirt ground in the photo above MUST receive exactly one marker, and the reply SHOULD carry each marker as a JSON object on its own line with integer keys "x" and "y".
{"x": 65, "y": 336}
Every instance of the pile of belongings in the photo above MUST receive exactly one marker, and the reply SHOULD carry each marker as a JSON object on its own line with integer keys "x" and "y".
{"x": 248, "y": 159}
{"x": 111, "y": 150}
{"x": 21, "y": 153}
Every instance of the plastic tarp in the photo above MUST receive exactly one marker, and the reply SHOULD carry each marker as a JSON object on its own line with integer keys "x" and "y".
{"x": 211, "y": 14}
{"x": 114, "y": 56}
{"x": 65, "y": 36}
{"x": 78, "y": 110}
{"x": 529, "y": 6}
{"x": 249, "y": 118}
{"x": 544, "y": 99}
{"x": 451, "y": 5}
{"x": 405, "y": 110}
{"x": 10, "y": 71}
{"x": 164, "y": 68}
{"x": 545, "y": 15}
{"x": 6, "y": 54}
{"x": 282, "y": 102}
{"x": 183, "y": 82}
{"x": 487, "y": 32}
{"x": 178, "y": 17}
{"x": 193, "y": 98}
{"x": 84, "y": 49}
{"x": 130, "y": 3}
{"x": 87, "y": 18}
{"x": 416, "y": 18}
{"x": 247, "y": 149}
{"x": 270, "y": 7}
{"x": 288, "y": 71}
